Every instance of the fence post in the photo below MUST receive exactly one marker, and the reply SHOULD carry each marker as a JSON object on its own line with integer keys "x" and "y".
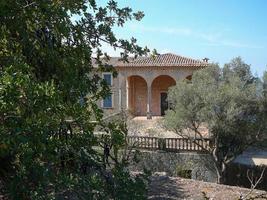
{"x": 162, "y": 144}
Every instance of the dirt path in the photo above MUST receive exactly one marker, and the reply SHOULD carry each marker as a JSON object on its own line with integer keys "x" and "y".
{"x": 170, "y": 188}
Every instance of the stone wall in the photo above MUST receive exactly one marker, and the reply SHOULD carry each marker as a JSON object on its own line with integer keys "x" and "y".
{"x": 200, "y": 165}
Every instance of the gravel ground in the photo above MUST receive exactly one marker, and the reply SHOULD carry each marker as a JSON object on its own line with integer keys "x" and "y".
{"x": 170, "y": 188}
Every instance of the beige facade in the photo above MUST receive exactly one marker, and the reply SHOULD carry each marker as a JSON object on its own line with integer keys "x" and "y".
{"x": 142, "y": 85}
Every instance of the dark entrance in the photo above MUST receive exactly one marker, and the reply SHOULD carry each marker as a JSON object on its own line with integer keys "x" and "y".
{"x": 163, "y": 102}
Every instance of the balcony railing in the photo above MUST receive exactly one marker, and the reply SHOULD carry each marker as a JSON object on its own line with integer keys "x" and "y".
{"x": 169, "y": 144}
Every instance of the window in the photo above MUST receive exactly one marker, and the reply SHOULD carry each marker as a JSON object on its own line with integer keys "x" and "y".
{"x": 108, "y": 78}
{"x": 107, "y": 102}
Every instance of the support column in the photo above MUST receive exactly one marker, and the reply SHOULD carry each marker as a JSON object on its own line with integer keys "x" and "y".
{"x": 119, "y": 95}
{"x": 149, "y": 114}
{"x": 127, "y": 93}
{"x": 120, "y": 106}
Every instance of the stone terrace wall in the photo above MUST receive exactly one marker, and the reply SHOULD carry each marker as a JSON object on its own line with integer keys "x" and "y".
{"x": 173, "y": 164}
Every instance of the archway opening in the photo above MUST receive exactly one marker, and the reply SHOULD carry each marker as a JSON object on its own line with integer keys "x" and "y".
{"x": 137, "y": 95}
{"x": 188, "y": 79}
{"x": 160, "y": 87}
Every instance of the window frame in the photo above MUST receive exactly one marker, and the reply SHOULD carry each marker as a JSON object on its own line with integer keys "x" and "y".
{"x": 111, "y": 77}
{"x": 112, "y": 102}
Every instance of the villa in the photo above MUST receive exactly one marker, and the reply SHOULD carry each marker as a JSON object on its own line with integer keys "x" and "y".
{"x": 142, "y": 84}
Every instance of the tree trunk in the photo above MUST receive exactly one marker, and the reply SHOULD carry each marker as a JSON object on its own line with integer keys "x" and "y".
{"x": 219, "y": 166}
{"x": 217, "y": 161}
{"x": 220, "y": 171}
{"x": 220, "y": 178}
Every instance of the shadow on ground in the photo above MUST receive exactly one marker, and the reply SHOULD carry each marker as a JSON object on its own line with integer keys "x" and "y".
{"x": 165, "y": 188}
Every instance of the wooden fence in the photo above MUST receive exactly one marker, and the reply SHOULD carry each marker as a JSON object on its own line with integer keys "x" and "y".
{"x": 169, "y": 144}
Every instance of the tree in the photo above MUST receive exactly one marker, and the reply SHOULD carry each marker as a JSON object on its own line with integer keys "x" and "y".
{"x": 238, "y": 68}
{"x": 46, "y": 135}
{"x": 265, "y": 85}
{"x": 226, "y": 104}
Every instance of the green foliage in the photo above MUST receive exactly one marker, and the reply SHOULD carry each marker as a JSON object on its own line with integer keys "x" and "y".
{"x": 238, "y": 67}
{"x": 184, "y": 171}
{"x": 228, "y": 102}
{"x": 47, "y": 145}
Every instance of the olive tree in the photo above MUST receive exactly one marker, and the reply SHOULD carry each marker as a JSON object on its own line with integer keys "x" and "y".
{"x": 228, "y": 103}
{"x": 47, "y": 146}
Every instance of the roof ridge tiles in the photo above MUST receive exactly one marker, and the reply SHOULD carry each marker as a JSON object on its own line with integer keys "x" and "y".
{"x": 161, "y": 60}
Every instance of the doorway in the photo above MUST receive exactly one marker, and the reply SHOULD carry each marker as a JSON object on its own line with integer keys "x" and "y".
{"x": 163, "y": 102}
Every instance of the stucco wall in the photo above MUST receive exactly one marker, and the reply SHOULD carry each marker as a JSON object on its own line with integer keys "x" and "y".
{"x": 119, "y": 87}
{"x": 115, "y": 97}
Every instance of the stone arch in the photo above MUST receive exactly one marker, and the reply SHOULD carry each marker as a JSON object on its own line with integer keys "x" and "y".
{"x": 159, "y": 89}
{"x": 171, "y": 74}
{"x": 137, "y": 95}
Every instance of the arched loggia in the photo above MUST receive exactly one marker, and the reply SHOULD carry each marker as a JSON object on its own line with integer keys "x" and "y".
{"x": 159, "y": 92}
{"x": 137, "y": 95}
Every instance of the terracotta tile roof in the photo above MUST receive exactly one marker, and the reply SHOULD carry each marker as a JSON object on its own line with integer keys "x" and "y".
{"x": 165, "y": 60}
{"x": 114, "y": 61}
{"x": 162, "y": 60}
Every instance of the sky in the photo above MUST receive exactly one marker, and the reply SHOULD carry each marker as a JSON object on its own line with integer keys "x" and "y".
{"x": 217, "y": 29}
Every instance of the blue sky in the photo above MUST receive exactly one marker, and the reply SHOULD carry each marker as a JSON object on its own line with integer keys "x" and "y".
{"x": 217, "y": 29}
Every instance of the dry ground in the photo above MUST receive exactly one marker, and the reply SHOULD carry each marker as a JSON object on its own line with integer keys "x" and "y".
{"x": 141, "y": 126}
{"x": 170, "y": 188}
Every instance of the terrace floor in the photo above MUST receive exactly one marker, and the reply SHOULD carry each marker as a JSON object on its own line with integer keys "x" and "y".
{"x": 141, "y": 126}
